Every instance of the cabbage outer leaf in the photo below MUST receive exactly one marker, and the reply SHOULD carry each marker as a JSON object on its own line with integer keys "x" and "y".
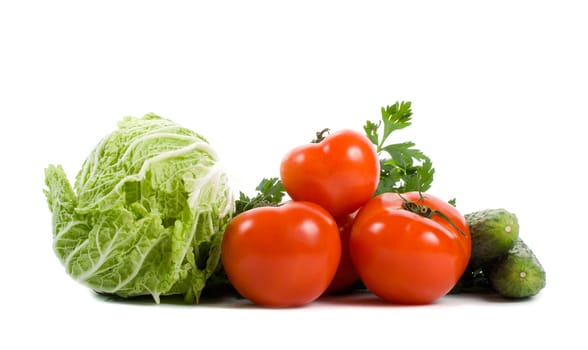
{"x": 146, "y": 213}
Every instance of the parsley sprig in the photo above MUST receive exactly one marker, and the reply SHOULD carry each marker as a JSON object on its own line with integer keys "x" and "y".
{"x": 270, "y": 192}
{"x": 403, "y": 168}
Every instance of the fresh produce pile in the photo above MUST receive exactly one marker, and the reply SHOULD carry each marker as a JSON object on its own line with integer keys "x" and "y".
{"x": 151, "y": 212}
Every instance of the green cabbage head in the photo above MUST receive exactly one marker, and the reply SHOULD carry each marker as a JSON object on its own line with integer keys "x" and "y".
{"x": 146, "y": 213}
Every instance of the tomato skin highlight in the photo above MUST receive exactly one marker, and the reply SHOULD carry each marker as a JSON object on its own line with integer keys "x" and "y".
{"x": 406, "y": 258}
{"x": 340, "y": 173}
{"x": 282, "y": 256}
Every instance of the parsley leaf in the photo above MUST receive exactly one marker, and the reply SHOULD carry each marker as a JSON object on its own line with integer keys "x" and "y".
{"x": 394, "y": 117}
{"x": 403, "y": 168}
{"x": 269, "y": 192}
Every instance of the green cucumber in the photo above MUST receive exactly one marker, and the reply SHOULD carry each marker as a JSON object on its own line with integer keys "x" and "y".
{"x": 473, "y": 282}
{"x": 518, "y": 274}
{"x": 493, "y": 232}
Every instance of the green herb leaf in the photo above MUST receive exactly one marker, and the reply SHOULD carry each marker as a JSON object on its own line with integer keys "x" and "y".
{"x": 271, "y": 189}
{"x": 403, "y": 167}
{"x": 403, "y": 154}
{"x": 417, "y": 178}
{"x": 396, "y": 117}
{"x": 269, "y": 192}
{"x": 371, "y": 131}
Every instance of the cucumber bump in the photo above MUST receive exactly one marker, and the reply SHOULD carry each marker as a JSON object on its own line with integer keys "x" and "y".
{"x": 493, "y": 232}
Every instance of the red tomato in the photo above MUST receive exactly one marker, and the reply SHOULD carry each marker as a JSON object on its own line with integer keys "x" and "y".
{"x": 282, "y": 256}
{"x": 409, "y": 256}
{"x": 346, "y": 276}
{"x": 340, "y": 173}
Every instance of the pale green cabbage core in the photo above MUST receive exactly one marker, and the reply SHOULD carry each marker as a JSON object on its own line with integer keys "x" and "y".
{"x": 146, "y": 213}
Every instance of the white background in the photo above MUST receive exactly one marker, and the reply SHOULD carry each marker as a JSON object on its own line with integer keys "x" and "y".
{"x": 499, "y": 91}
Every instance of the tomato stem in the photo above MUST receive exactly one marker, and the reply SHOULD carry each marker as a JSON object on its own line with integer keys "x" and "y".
{"x": 425, "y": 211}
{"x": 320, "y": 135}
